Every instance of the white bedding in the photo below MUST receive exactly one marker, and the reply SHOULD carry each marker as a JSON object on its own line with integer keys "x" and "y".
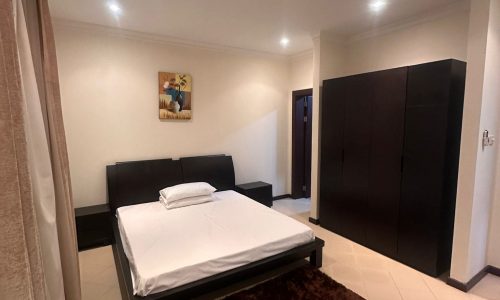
{"x": 169, "y": 248}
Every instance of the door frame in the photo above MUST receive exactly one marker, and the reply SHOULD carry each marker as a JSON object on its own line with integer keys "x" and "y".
{"x": 295, "y": 95}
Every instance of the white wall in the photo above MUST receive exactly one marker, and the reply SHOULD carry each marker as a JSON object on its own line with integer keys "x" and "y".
{"x": 301, "y": 71}
{"x": 314, "y": 213}
{"x": 464, "y": 230}
{"x": 477, "y": 166}
{"x": 492, "y": 123}
{"x": 110, "y": 106}
{"x": 333, "y": 57}
{"x": 435, "y": 38}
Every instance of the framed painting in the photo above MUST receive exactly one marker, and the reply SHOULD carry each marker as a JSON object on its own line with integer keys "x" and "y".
{"x": 175, "y": 95}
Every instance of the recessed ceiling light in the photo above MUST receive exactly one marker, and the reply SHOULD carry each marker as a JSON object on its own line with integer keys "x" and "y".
{"x": 377, "y": 5}
{"x": 284, "y": 41}
{"x": 114, "y": 8}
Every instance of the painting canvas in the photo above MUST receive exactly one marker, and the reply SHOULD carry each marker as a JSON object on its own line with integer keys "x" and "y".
{"x": 175, "y": 95}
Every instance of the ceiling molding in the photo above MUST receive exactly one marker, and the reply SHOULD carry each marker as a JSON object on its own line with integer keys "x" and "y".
{"x": 334, "y": 38}
{"x": 302, "y": 54}
{"x": 162, "y": 39}
{"x": 460, "y": 6}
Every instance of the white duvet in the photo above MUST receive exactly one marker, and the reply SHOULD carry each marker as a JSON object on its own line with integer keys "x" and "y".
{"x": 169, "y": 248}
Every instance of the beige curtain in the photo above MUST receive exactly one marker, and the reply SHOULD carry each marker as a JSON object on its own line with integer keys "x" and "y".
{"x": 38, "y": 252}
{"x": 20, "y": 254}
{"x": 60, "y": 163}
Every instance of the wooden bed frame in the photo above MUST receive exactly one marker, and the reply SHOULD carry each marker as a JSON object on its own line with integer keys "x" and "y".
{"x": 139, "y": 182}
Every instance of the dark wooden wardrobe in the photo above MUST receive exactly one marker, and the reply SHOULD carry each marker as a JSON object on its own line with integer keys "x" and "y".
{"x": 390, "y": 143}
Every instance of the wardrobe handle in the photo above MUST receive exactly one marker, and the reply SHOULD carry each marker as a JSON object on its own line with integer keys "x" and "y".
{"x": 402, "y": 163}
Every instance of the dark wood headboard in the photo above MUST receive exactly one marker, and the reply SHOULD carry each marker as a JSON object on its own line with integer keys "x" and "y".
{"x": 217, "y": 170}
{"x": 137, "y": 182}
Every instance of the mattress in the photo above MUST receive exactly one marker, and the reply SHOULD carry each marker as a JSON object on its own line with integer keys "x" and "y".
{"x": 169, "y": 248}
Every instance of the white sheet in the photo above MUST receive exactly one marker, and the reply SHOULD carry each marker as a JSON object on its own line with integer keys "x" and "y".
{"x": 169, "y": 248}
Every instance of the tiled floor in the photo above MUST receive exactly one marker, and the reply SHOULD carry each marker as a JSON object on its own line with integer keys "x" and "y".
{"x": 368, "y": 273}
{"x": 98, "y": 275}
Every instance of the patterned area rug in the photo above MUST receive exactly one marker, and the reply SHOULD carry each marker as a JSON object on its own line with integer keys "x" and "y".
{"x": 304, "y": 283}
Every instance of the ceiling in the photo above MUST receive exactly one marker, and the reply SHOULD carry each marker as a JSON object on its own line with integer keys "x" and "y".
{"x": 247, "y": 24}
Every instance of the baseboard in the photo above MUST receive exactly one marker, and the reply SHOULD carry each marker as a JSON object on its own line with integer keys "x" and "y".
{"x": 282, "y": 197}
{"x": 465, "y": 287}
{"x": 314, "y": 221}
{"x": 494, "y": 270}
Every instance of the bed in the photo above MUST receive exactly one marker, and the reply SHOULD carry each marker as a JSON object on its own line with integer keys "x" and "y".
{"x": 190, "y": 251}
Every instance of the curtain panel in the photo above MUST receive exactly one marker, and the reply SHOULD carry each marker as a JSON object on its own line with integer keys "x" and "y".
{"x": 38, "y": 249}
{"x": 22, "y": 274}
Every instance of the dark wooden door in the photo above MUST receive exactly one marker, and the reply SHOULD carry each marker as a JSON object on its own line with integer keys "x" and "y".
{"x": 356, "y": 165}
{"x": 301, "y": 143}
{"x": 431, "y": 147}
{"x": 307, "y": 146}
{"x": 387, "y": 92}
{"x": 331, "y": 194}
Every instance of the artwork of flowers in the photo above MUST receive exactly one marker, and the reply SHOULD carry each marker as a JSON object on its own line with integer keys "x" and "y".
{"x": 175, "y": 95}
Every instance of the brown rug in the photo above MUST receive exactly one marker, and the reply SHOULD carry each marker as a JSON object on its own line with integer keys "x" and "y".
{"x": 304, "y": 283}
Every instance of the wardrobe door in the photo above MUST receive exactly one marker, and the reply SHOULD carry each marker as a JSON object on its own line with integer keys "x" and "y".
{"x": 331, "y": 204}
{"x": 387, "y": 93}
{"x": 362, "y": 134}
{"x": 355, "y": 182}
{"x": 344, "y": 156}
{"x": 423, "y": 165}
{"x": 452, "y": 157}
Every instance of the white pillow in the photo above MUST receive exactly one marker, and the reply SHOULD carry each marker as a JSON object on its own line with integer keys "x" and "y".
{"x": 186, "y": 201}
{"x": 186, "y": 190}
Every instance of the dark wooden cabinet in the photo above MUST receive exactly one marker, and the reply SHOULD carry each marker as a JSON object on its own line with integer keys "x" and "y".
{"x": 93, "y": 226}
{"x": 430, "y": 164}
{"x": 259, "y": 191}
{"x": 389, "y": 160}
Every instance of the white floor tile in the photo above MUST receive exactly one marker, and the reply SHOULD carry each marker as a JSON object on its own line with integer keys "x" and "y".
{"x": 113, "y": 294}
{"x": 94, "y": 291}
{"x": 344, "y": 273}
{"x": 377, "y": 277}
{"x": 357, "y": 287}
{"x": 488, "y": 287}
{"x": 382, "y": 292}
{"x": 292, "y": 206}
{"x": 370, "y": 261}
{"x": 412, "y": 294}
{"x": 406, "y": 278}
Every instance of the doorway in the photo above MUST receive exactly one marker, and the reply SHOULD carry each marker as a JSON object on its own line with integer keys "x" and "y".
{"x": 301, "y": 143}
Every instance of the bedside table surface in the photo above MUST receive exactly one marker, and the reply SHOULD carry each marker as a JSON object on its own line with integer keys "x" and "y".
{"x": 91, "y": 210}
{"x": 252, "y": 185}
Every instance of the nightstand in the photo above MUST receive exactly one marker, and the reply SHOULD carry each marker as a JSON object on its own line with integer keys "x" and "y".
{"x": 93, "y": 226}
{"x": 259, "y": 191}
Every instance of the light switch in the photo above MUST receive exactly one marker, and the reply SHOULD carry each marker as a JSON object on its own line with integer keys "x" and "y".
{"x": 488, "y": 139}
